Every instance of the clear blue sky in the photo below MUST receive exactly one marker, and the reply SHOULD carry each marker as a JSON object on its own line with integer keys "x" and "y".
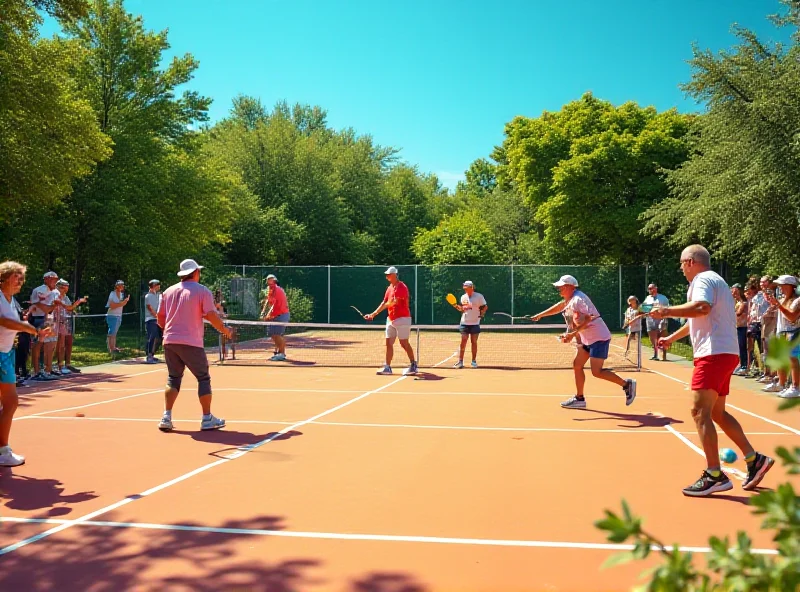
{"x": 439, "y": 79}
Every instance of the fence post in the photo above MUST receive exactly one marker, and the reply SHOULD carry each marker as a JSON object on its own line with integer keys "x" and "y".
{"x": 619, "y": 311}
{"x": 512, "y": 293}
{"x": 329, "y": 294}
{"x": 416, "y": 284}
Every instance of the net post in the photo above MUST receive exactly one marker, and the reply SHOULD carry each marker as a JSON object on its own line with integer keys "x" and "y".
{"x": 416, "y": 283}
{"x": 329, "y": 293}
{"x": 418, "y": 356}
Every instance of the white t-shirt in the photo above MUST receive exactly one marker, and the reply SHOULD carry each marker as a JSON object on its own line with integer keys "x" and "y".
{"x": 8, "y": 310}
{"x": 472, "y": 315}
{"x": 783, "y": 323}
{"x": 44, "y": 295}
{"x": 714, "y": 333}
{"x": 659, "y": 301}
{"x": 114, "y": 312}
{"x": 154, "y": 300}
{"x": 594, "y": 331}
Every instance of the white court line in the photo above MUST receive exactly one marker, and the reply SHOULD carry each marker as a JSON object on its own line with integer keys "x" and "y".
{"x": 43, "y": 413}
{"x": 401, "y": 425}
{"x": 242, "y": 450}
{"x": 365, "y": 537}
{"x": 768, "y": 420}
{"x": 741, "y": 475}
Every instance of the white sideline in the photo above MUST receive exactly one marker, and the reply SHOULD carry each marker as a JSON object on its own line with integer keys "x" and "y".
{"x": 363, "y": 537}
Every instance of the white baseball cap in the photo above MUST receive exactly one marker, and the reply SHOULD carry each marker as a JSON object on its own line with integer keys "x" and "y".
{"x": 468, "y": 284}
{"x": 188, "y": 267}
{"x": 566, "y": 280}
{"x": 787, "y": 279}
{"x": 392, "y": 269}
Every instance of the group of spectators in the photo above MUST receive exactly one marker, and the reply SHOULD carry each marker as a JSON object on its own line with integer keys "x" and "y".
{"x": 766, "y": 307}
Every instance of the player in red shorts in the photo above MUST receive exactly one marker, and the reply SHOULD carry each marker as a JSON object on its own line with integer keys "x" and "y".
{"x": 711, "y": 326}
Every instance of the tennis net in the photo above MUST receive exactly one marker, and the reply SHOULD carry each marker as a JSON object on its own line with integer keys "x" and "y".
{"x": 518, "y": 346}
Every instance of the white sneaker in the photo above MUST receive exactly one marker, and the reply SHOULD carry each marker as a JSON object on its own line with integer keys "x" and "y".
{"x": 165, "y": 425}
{"x": 9, "y": 459}
{"x": 791, "y": 393}
{"x": 459, "y": 364}
{"x": 212, "y": 423}
{"x": 773, "y": 388}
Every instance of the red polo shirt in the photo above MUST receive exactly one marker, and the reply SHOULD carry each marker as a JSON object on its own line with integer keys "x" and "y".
{"x": 402, "y": 308}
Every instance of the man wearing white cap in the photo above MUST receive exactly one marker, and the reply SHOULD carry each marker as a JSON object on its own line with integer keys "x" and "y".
{"x": 183, "y": 308}
{"x": 473, "y": 308}
{"x": 584, "y": 319}
{"x": 397, "y": 301}
{"x": 43, "y": 302}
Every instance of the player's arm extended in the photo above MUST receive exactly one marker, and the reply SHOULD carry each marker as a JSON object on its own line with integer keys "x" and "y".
{"x": 555, "y": 309}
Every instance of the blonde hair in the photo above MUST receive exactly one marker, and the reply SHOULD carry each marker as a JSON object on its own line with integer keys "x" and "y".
{"x": 10, "y": 268}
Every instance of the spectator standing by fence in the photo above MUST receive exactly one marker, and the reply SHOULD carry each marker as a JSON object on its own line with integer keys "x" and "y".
{"x": 116, "y": 302}
{"x": 152, "y": 303}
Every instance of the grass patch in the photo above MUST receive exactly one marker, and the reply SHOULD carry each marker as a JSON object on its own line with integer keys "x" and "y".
{"x": 90, "y": 348}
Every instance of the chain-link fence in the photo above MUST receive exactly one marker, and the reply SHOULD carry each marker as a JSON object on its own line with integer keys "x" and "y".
{"x": 326, "y": 294}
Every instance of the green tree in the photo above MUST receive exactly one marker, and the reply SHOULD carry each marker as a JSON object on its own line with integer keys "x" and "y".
{"x": 463, "y": 238}
{"x": 161, "y": 196}
{"x": 589, "y": 171}
{"x": 740, "y": 191}
{"x": 48, "y": 133}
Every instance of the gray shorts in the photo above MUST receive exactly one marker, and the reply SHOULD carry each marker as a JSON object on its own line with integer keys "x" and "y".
{"x": 178, "y": 357}
{"x": 656, "y": 324}
{"x": 398, "y": 328}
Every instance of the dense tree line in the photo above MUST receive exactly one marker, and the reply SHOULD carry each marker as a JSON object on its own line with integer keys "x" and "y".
{"x": 107, "y": 170}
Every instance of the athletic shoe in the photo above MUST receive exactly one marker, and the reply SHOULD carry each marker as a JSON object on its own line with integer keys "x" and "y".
{"x": 630, "y": 391}
{"x": 9, "y": 459}
{"x": 706, "y": 485}
{"x": 73, "y": 369}
{"x": 772, "y": 388}
{"x": 474, "y": 364}
{"x": 756, "y": 471}
{"x": 65, "y": 371}
{"x": 212, "y": 423}
{"x": 790, "y": 393}
{"x": 386, "y": 370}
{"x": 459, "y": 364}
{"x": 574, "y": 403}
{"x": 411, "y": 370}
{"x": 278, "y": 358}
{"x": 165, "y": 425}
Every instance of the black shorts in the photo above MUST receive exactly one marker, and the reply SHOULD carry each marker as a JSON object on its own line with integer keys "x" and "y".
{"x": 179, "y": 357}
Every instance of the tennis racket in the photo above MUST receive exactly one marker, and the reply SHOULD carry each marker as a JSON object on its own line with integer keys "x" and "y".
{"x": 358, "y": 311}
{"x": 505, "y": 314}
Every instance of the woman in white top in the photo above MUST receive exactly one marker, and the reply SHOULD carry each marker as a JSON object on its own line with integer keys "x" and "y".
{"x": 632, "y": 325}
{"x": 788, "y": 328}
{"x": 116, "y": 301}
{"x": 12, "y": 276}
{"x": 63, "y": 320}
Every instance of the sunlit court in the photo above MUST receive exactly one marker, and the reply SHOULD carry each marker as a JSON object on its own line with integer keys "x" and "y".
{"x": 425, "y": 296}
{"x": 328, "y": 476}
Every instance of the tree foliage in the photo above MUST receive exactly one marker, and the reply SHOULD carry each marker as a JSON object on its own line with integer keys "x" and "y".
{"x": 464, "y": 237}
{"x": 588, "y": 172}
{"x": 740, "y": 191}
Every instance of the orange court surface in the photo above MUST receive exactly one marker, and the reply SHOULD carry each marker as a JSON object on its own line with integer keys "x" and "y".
{"x": 331, "y": 478}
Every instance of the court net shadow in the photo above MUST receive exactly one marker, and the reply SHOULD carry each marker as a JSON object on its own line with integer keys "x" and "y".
{"x": 648, "y": 420}
{"x": 90, "y": 557}
{"x": 19, "y": 492}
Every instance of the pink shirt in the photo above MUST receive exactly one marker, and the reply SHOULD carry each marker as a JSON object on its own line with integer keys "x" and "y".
{"x": 182, "y": 310}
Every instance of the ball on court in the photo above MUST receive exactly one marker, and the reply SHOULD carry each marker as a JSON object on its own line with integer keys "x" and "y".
{"x": 727, "y": 455}
{"x": 79, "y": 415}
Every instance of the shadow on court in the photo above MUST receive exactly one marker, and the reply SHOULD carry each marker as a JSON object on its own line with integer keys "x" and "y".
{"x": 89, "y": 557}
{"x": 642, "y": 421}
{"x": 20, "y": 492}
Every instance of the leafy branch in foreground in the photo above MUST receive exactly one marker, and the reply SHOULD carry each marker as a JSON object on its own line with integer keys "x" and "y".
{"x": 730, "y": 567}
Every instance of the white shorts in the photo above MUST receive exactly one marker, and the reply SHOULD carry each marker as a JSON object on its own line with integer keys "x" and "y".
{"x": 398, "y": 328}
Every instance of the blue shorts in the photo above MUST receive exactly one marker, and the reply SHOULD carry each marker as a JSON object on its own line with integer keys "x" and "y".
{"x": 599, "y": 349}
{"x": 469, "y": 329}
{"x": 113, "y": 323}
{"x": 7, "y": 367}
{"x": 278, "y": 329}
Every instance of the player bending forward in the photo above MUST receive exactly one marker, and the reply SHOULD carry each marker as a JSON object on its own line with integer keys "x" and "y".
{"x": 584, "y": 320}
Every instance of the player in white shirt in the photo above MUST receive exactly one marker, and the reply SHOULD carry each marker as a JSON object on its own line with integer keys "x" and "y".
{"x": 712, "y": 330}
{"x": 473, "y": 308}
{"x": 583, "y": 319}
{"x": 12, "y": 276}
